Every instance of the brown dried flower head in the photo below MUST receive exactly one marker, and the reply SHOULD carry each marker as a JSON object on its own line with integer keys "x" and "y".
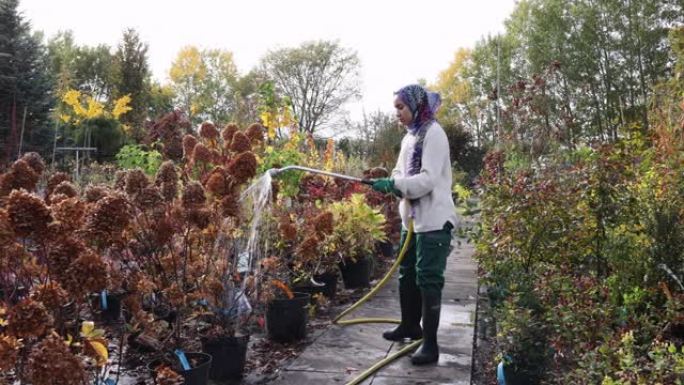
{"x": 29, "y": 319}
{"x": 50, "y": 363}
{"x": 51, "y": 294}
{"x": 120, "y": 180}
{"x": 67, "y": 188}
{"x": 243, "y": 167}
{"x": 136, "y": 181}
{"x": 166, "y": 174}
{"x": 189, "y": 143}
{"x": 9, "y": 351}
{"x": 148, "y": 198}
{"x": 202, "y": 154}
{"x": 94, "y": 193}
{"x": 55, "y": 180}
{"x": 20, "y": 175}
{"x": 227, "y": 133}
{"x": 198, "y": 217}
{"x": 240, "y": 143}
{"x": 208, "y": 131}
{"x": 287, "y": 229}
{"x": 230, "y": 206}
{"x": 86, "y": 274}
{"x": 323, "y": 223}
{"x": 255, "y": 132}
{"x": 29, "y": 216}
{"x": 69, "y": 213}
{"x": 35, "y": 161}
{"x": 66, "y": 250}
{"x": 308, "y": 249}
{"x": 108, "y": 218}
{"x": 193, "y": 195}
{"x": 169, "y": 191}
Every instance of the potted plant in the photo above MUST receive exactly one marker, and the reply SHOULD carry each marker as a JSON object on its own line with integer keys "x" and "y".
{"x": 358, "y": 227}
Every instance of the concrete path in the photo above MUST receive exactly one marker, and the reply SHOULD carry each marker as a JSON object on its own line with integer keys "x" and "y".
{"x": 340, "y": 353}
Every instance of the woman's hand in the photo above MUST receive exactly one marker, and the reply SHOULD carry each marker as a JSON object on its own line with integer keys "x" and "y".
{"x": 386, "y": 186}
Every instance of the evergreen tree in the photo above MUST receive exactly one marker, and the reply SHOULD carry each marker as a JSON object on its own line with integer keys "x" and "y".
{"x": 132, "y": 77}
{"x": 24, "y": 86}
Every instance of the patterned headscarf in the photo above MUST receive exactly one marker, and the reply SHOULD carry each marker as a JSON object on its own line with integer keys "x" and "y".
{"x": 423, "y": 105}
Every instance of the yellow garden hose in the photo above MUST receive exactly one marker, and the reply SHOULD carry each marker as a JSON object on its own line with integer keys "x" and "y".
{"x": 383, "y": 281}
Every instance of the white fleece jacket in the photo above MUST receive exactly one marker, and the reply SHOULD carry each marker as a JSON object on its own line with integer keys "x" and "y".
{"x": 432, "y": 186}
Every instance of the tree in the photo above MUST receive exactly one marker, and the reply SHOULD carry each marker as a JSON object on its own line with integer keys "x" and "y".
{"x": 160, "y": 101}
{"x": 187, "y": 73}
{"x": 218, "y": 87}
{"x": 204, "y": 83}
{"x": 132, "y": 77}
{"x": 24, "y": 86}
{"x": 318, "y": 77}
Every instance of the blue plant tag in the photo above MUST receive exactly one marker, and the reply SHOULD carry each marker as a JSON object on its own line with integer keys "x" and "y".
{"x": 103, "y": 299}
{"x": 183, "y": 359}
{"x": 110, "y": 381}
{"x": 500, "y": 377}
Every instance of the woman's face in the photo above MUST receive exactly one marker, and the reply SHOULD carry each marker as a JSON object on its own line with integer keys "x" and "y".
{"x": 403, "y": 112}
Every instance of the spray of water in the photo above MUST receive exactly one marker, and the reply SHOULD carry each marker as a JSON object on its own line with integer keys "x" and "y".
{"x": 672, "y": 274}
{"x": 259, "y": 195}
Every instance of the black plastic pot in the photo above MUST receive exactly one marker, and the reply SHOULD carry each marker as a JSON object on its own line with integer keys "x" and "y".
{"x": 286, "y": 318}
{"x": 386, "y": 249}
{"x": 356, "y": 274}
{"x": 228, "y": 356}
{"x": 198, "y": 373}
{"x": 329, "y": 288}
{"x": 113, "y": 311}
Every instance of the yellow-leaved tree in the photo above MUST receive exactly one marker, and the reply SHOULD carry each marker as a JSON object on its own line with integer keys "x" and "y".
{"x": 187, "y": 73}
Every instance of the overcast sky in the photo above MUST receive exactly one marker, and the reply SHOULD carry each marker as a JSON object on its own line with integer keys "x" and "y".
{"x": 397, "y": 41}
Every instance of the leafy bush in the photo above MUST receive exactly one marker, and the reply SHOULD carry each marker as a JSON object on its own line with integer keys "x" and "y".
{"x": 135, "y": 156}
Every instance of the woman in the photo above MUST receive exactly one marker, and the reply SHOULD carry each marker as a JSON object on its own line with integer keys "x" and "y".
{"x": 422, "y": 178}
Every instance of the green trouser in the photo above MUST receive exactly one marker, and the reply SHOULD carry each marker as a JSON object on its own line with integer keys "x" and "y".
{"x": 425, "y": 260}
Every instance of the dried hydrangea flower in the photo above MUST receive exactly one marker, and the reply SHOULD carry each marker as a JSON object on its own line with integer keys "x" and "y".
{"x": 94, "y": 193}
{"x": 167, "y": 173}
{"x": 230, "y": 206}
{"x": 323, "y": 223}
{"x": 86, "y": 274}
{"x": 54, "y": 181}
{"x": 108, "y": 218}
{"x": 255, "y": 132}
{"x": 28, "y": 319}
{"x": 149, "y": 198}
{"x": 287, "y": 229}
{"x": 50, "y": 362}
{"x": 35, "y": 161}
{"x": 9, "y": 351}
{"x": 70, "y": 213}
{"x": 309, "y": 247}
{"x": 169, "y": 191}
{"x": 120, "y": 180}
{"x": 189, "y": 143}
{"x": 208, "y": 131}
{"x": 51, "y": 294}
{"x": 67, "y": 188}
{"x": 240, "y": 143}
{"x": 136, "y": 181}
{"x": 243, "y": 167}
{"x": 20, "y": 175}
{"x": 29, "y": 216}
{"x": 202, "y": 154}
{"x": 193, "y": 195}
{"x": 227, "y": 133}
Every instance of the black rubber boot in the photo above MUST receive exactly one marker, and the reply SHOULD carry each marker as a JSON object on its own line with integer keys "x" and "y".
{"x": 409, "y": 298}
{"x": 428, "y": 352}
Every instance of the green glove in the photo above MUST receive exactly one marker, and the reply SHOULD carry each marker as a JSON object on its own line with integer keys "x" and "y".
{"x": 386, "y": 186}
